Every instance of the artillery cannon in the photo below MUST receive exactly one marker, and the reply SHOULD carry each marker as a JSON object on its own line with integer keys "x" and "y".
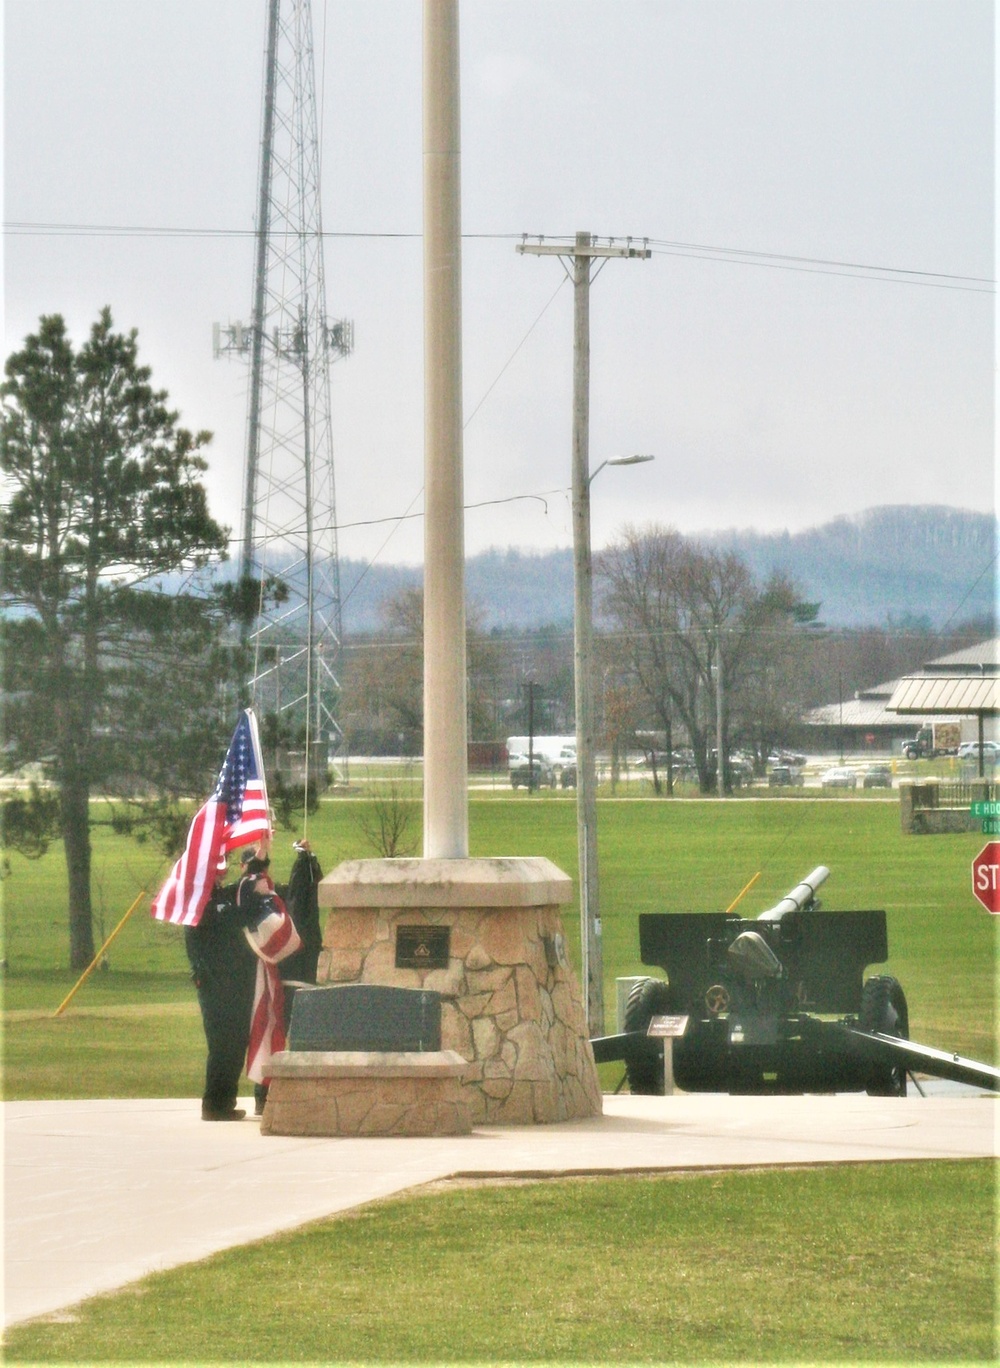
{"x": 778, "y": 1004}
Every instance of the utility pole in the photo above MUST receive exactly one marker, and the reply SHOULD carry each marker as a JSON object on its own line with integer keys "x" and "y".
{"x": 720, "y": 769}
{"x": 289, "y": 505}
{"x": 578, "y": 260}
{"x": 531, "y": 737}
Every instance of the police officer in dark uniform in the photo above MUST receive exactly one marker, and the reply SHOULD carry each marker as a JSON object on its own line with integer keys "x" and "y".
{"x": 224, "y": 969}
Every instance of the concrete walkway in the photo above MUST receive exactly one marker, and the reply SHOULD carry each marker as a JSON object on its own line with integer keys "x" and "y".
{"x": 99, "y": 1193}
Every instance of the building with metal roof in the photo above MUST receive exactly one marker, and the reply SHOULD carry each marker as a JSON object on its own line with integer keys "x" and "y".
{"x": 954, "y": 695}
{"x": 962, "y": 685}
{"x": 859, "y": 723}
{"x": 983, "y": 658}
{"x": 966, "y": 684}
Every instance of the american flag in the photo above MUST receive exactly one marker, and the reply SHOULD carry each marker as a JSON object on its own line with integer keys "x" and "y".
{"x": 272, "y": 941}
{"x": 235, "y": 815}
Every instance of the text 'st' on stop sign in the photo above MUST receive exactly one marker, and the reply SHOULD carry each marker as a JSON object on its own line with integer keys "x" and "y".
{"x": 986, "y": 876}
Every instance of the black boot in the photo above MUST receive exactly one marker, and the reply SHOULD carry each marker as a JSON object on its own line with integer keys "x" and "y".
{"x": 230, "y": 1114}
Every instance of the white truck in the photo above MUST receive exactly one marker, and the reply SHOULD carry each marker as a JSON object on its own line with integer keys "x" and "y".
{"x": 556, "y": 751}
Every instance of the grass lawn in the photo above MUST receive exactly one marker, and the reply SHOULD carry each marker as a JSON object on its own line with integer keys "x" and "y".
{"x": 840, "y": 1264}
{"x": 134, "y": 1030}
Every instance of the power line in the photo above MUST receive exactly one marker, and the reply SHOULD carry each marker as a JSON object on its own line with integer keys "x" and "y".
{"x": 399, "y": 521}
{"x": 32, "y": 229}
{"x": 741, "y": 256}
{"x": 513, "y": 354}
{"x": 550, "y": 636}
{"x": 667, "y": 245}
{"x": 888, "y": 275}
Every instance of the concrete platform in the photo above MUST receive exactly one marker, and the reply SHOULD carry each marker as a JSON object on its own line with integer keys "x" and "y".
{"x": 99, "y": 1193}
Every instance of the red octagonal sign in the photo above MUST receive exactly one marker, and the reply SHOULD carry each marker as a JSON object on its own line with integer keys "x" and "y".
{"x": 986, "y": 876}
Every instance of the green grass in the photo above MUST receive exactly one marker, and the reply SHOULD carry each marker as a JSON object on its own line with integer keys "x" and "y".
{"x": 842, "y": 1264}
{"x": 129, "y": 1050}
{"x": 655, "y": 856}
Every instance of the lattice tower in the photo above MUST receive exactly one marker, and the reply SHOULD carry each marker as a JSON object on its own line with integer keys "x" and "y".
{"x": 289, "y": 502}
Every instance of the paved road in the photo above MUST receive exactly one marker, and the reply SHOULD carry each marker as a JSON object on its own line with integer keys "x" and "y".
{"x": 99, "y": 1193}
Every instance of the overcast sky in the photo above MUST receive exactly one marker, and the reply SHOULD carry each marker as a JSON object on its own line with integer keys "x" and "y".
{"x": 844, "y": 131}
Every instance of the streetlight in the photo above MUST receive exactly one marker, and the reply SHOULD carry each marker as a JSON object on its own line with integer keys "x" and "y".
{"x": 619, "y": 461}
{"x": 586, "y": 777}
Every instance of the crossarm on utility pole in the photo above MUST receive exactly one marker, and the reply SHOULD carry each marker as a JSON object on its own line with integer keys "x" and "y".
{"x": 592, "y": 248}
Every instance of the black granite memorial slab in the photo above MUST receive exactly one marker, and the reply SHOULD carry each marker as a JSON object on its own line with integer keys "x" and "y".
{"x": 365, "y": 1016}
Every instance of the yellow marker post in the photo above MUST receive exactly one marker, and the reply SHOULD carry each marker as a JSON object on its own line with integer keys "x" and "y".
{"x": 93, "y": 963}
{"x": 745, "y": 889}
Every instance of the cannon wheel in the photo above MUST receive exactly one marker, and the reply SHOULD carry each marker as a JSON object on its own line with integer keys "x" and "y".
{"x": 883, "y": 1008}
{"x": 647, "y": 999}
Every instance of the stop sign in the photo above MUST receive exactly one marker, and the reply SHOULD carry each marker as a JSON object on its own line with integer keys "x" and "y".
{"x": 986, "y": 876}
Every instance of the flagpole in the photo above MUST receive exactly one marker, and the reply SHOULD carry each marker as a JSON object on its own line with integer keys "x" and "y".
{"x": 93, "y": 963}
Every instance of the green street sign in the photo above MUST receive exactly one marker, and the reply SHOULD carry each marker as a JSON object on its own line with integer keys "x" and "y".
{"x": 991, "y": 826}
{"x": 985, "y": 809}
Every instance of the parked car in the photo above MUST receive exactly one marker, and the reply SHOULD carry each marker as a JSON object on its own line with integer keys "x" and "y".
{"x": 969, "y": 750}
{"x": 877, "y": 776}
{"x": 839, "y": 777}
{"x": 791, "y": 758}
{"x": 740, "y": 771}
{"x": 785, "y": 776}
{"x": 544, "y": 775}
{"x": 678, "y": 759}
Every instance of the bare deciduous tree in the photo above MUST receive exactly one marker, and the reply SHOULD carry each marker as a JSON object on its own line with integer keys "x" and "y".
{"x": 683, "y": 612}
{"x": 389, "y": 821}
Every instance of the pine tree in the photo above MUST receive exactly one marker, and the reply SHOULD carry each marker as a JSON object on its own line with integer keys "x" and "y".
{"x": 102, "y": 496}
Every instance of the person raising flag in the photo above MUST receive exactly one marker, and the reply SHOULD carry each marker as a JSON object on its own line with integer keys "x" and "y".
{"x": 215, "y": 920}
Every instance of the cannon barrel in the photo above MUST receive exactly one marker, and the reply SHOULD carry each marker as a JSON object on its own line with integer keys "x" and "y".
{"x": 800, "y": 896}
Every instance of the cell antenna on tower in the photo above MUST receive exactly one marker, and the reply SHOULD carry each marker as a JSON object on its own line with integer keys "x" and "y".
{"x": 289, "y": 500}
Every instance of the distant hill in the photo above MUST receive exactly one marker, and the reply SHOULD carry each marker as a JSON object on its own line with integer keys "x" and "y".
{"x": 887, "y": 566}
{"x": 511, "y": 588}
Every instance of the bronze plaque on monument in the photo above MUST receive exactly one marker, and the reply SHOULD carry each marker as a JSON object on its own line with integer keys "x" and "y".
{"x": 423, "y": 947}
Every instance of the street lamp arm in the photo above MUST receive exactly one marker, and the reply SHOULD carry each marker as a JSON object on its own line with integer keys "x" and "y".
{"x": 618, "y": 461}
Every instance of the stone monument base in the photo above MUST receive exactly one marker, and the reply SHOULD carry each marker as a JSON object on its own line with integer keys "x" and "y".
{"x": 487, "y": 935}
{"x": 366, "y": 1093}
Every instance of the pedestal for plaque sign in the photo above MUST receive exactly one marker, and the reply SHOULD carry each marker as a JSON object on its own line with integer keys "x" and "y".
{"x": 366, "y": 1059}
{"x": 487, "y": 935}
{"x": 366, "y": 1092}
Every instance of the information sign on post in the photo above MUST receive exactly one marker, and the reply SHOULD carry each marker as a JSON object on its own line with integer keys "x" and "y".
{"x": 988, "y": 812}
{"x": 986, "y": 876}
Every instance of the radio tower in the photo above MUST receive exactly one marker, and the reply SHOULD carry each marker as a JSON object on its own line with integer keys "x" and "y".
{"x": 289, "y": 503}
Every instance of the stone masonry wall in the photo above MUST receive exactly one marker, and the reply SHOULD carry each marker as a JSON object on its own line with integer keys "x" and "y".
{"x": 510, "y": 1002}
{"x": 365, "y": 1105}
